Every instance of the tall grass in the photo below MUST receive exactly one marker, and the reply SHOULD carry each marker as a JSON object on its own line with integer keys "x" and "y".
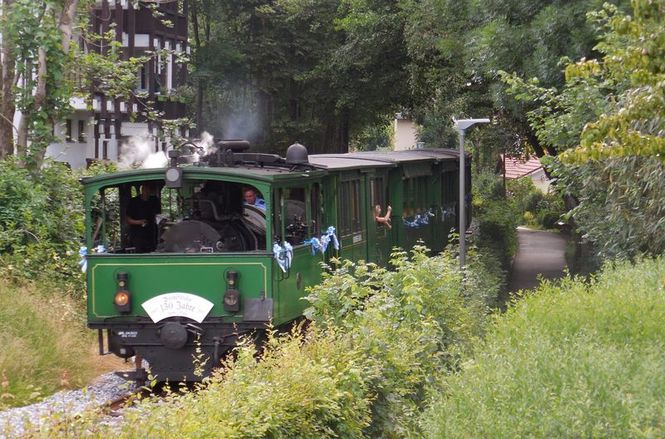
{"x": 570, "y": 360}
{"x": 44, "y": 344}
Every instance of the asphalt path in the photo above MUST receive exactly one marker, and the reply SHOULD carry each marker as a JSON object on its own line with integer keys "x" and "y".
{"x": 541, "y": 253}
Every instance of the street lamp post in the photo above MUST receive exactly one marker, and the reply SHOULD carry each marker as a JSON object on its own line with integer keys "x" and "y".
{"x": 461, "y": 126}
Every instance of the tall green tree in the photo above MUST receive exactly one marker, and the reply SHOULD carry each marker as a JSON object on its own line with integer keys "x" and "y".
{"x": 457, "y": 50}
{"x": 36, "y": 39}
{"x": 315, "y": 72}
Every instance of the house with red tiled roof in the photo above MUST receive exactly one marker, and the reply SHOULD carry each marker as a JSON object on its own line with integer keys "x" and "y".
{"x": 516, "y": 167}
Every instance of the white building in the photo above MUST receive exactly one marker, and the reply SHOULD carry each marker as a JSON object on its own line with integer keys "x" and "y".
{"x": 405, "y": 133}
{"x": 98, "y": 131}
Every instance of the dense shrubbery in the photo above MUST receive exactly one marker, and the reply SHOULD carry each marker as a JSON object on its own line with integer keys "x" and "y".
{"x": 377, "y": 339}
{"x": 574, "y": 359}
{"x": 621, "y": 204}
{"x": 41, "y": 223}
{"x": 535, "y": 208}
{"x": 45, "y": 346}
{"x": 495, "y": 220}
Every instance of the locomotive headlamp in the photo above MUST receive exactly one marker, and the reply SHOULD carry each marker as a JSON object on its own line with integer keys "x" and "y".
{"x": 232, "y": 295}
{"x": 173, "y": 175}
{"x": 122, "y": 299}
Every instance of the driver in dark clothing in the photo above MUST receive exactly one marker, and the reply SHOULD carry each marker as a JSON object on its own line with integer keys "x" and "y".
{"x": 141, "y": 212}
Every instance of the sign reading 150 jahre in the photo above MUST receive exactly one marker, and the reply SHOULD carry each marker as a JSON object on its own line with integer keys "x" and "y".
{"x": 177, "y": 305}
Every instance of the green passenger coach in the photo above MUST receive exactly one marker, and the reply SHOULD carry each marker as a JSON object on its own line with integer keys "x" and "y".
{"x": 202, "y": 252}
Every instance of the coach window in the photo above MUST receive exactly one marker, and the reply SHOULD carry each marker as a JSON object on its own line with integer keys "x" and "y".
{"x": 377, "y": 197}
{"x": 349, "y": 208}
{"x": 449, "y": 191}
{"x": 415, "y": 195}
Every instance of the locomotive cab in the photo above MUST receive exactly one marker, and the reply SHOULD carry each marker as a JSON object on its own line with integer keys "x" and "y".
{"x": 203, "y": 216}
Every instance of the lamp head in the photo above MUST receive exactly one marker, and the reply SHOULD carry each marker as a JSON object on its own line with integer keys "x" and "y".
{"x": 463, "y": 124}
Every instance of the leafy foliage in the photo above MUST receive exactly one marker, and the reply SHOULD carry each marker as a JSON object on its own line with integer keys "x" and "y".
{"x": 495, "y": 217}
{"x": 610, "y": 107}
{"x": 41, "y": 223}
{"x": 42, "y": 94}
{"x": 607, "y": 121}
{"x": 535, "y": 208}
{"x": 457, "y": 50}
{"x": 621, "y": 204}
{"x": 570, "y": 359}
{"x": 298, "y": 70}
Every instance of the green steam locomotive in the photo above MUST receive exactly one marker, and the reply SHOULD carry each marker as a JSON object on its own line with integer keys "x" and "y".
{"x": 221, "y": 245}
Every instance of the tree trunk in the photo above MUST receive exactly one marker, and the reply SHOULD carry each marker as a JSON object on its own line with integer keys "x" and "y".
{"x": 199, "y": 85}
{"x": 22, "y": 136}
{"x": 535, "y": 143}
{"x": 66, "y": 23}
{"x": 7, "y": 104}
{"x": 38, "y": 150}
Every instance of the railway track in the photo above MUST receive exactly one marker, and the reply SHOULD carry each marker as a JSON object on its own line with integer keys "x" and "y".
{"x": 108, "y": 396}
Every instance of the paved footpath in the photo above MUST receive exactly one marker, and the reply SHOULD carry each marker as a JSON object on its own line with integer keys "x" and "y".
{"x": 540, "y": 253}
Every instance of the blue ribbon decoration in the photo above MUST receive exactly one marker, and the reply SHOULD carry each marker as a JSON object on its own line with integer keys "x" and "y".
{"x": 283, "y": 255}
{"x": 410, "y": 224}
{"x": 83, "y": 263}
{"x": 83, "y": 253}
{"x": 315, "y": 245}
{"x": 329, "y": 237}
{"x": 421, "y": 219}
{"x": 321, "y": 244}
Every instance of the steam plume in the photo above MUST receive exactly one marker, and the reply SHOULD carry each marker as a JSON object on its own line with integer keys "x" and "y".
{"x": 136, "y": 152}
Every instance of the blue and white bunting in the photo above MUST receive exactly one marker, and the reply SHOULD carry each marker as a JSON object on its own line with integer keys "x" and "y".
{"x": 321, "y": 244}
{"x": 283, "y": 255}
{"x": 83, "y": 253}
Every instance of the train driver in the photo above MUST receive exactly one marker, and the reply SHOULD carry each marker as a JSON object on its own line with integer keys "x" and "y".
{"x": 141, "y": 212}
{"x": 251, "y": 198}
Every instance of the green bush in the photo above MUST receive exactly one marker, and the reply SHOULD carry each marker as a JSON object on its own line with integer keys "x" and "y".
{"x": 620, "y": 204}
{"x": 41, "y": 224}
{"x": 535, "y": 208}
{"x": 411, "y": 323}
{"x": 495, "y": 217}
{"x": 570, "y": 360}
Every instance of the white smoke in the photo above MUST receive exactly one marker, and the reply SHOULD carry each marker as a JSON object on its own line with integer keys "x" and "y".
{"x": 241, "y": 124}
{"x": 206, "y": 146}
{"x": 155, "y": 160}
{"x": 137, "y": 152}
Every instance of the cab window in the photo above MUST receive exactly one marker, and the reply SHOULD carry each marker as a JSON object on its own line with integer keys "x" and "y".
{"x": 297, "y": 217}
{"x": 203, "y": 216}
